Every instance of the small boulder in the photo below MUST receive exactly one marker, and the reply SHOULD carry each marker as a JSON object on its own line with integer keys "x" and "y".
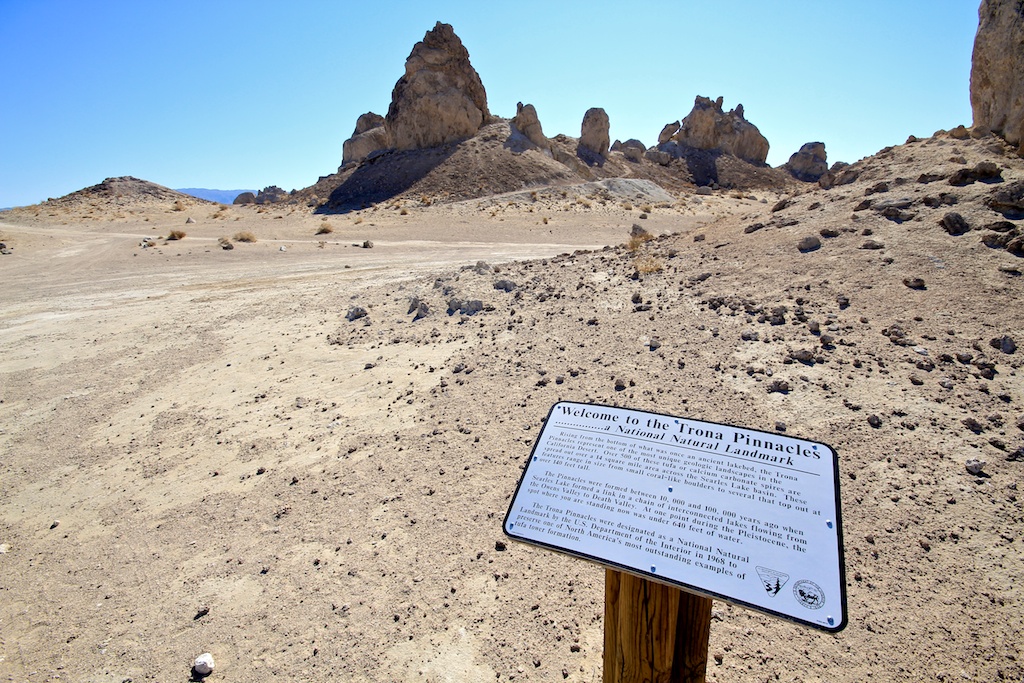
{"x": 809, "y": 243}
{"x": 809, "y": 163}
{"x": 955, "y": 224}
{"x": 203, "y": 665}
{"x": 1008, "y": 200}
{"x": 1006, "y": 344}
{"x": 914, "y": 283}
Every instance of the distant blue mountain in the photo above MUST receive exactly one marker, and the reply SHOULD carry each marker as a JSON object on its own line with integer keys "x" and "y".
{"x": 220, "y": 196}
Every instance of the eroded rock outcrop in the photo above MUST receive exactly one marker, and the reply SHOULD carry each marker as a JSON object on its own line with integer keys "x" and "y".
{"x": 440, "y": 98}
{"x": 997, "y": 69}
{"x": 632, "y": 149}
{"x": 271, "y": 194}
{"x": 594, "y": 137}
{"x": 667, "y": 132}
{"x": 369, "y": 136}
{"x": 526, "y": 122}
{"x": 707, "y": 126}
{"x": 809, "y": 163}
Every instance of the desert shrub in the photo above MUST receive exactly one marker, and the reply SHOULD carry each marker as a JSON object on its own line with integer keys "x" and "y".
{"x": 403, "y": 212}
{"x": 646, "y": 208}
{"x": 648, "y": 264}
{"x": 627, "y": 206}
{"x": 426, "y": 201}
{"x": 176, "y": 235}
{"x": 636, "y": 241}
{"x": 324, "y": 229}
{"x": 545, "y": 220}
{"x": 357, "y": 220}
{"x": 221, "y": 212}
{"x": 244, "y": 236}
{"x": 179, "y": 205}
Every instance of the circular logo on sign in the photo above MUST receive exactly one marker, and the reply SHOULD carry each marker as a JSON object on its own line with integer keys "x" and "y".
{"x": 809, "y": 594}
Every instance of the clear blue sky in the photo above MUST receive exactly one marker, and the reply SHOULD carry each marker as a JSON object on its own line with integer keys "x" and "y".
{"x": 234, "y": 95}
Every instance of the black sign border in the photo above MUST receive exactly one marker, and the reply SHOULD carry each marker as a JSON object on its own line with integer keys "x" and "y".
{"x": 677, "y": 584}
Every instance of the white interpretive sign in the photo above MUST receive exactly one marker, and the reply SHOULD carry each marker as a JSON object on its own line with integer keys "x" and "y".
{"x": 735, "y": 514}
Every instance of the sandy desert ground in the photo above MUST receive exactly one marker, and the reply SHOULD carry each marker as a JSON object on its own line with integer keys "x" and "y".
{"x": 199, "y": 451}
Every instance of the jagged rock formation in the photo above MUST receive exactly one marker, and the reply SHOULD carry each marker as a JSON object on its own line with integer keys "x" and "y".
{"x": 809, "y": 163}
{"x": 271, "y": 194}
{"x": 370, "y": 135}
{"x": 708, "y": 127}
{"x": 594, "y": 137}
{"x": 440, "y": 98}
{"x": 997, "y": 69}
{"x": 526, "y": 122}
{"x": 667, "y": 132}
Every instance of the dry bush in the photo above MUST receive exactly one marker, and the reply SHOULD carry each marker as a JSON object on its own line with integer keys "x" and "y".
{"x": 426, "y": 201}
{"x": 583, "y": 202}
{"x": 627, "y": 206}
{"x": 636, "y": 241}
{"x": 179, "y": 205}
{"x": 648, "y": 264}
{"x": 221, "y": 211}
{"x": 544, "y": 220}
{"x": 646, "y": 208}
{"x": 403, "y": 212}
{"x": 324, "y": 229}
{"x": 244, "y": 236}
{"x": 176, "y": 235}
{"x": 357, "y": 220}
{"x": 533, "y": 195}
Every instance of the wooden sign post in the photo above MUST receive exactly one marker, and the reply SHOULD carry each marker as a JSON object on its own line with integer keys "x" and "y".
{"x": 681, "y": 512}
{"x": 653, "y": 633}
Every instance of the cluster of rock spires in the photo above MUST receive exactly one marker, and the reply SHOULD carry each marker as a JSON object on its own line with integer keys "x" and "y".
{"x": 441, "y": 100}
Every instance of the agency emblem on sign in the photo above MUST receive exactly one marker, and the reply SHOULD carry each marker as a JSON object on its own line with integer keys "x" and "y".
{"x": 772, "y": 580}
